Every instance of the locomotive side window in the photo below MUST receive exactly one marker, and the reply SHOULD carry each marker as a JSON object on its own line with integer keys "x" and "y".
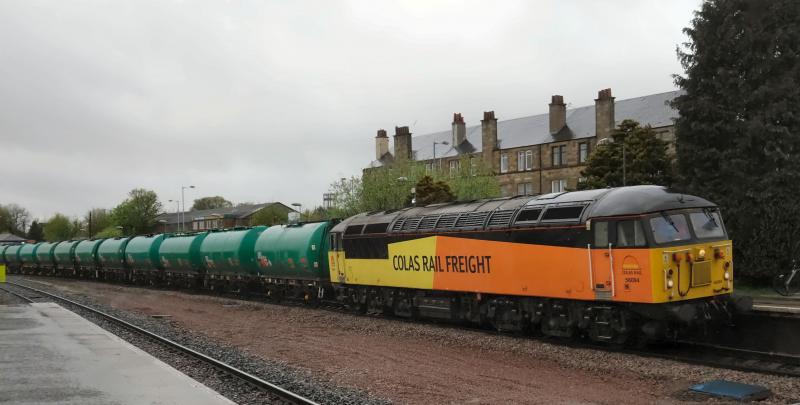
{"x": 600, "y": 234}
{"x": 630, "y": 234}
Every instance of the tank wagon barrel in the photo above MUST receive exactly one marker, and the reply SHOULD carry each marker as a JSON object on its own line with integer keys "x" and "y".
{"x": 45, "y": 258}
{"x": 64, "y": 256}
{"x": 292, "y": 260}
{"x": 86, "y": 261}
{"x": 27, "y": 257}
{"x": 180, "y": 258}
{"x": 111, "y": 258}
{"x": 228, "y": 257}
{"x": 141, "y": 257}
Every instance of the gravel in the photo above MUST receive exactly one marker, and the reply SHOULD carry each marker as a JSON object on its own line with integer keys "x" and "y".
{"x": 283, "y": 375}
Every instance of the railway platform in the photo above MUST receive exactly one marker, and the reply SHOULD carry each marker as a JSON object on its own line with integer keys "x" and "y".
{"x": 49, "y": 354}
{"x": 777, "y": 304}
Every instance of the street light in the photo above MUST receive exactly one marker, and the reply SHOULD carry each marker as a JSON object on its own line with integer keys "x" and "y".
{"x": 183, "y": 206}
{"x": 434, "y": 152}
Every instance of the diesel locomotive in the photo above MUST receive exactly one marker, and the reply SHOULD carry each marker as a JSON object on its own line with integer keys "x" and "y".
{"x": 607, "y": 264}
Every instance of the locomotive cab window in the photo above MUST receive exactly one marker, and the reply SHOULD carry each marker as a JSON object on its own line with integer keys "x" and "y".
{"x": 670, "y": 228}
{"x": 630, "y": 234}
{"x": 706, "y": 224}
{"x": 600, "y": 234}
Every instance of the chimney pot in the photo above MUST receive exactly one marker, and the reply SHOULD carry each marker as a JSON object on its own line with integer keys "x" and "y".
{"x": 488, "y": 115}
{"x": 459, "y": 129}
{"x": 402, "y": 143}
{"x": 381, "y": 134}
{"x": 604, "y": 117}
{"x": 558, "y": 114}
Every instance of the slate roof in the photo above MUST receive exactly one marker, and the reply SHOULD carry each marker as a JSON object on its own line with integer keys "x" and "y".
{"x": 7, "y": 238}
{"x": 653, "y": 110}
{"x": 239, "y": 211}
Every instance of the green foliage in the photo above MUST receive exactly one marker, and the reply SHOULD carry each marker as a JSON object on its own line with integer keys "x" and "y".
{"x": 137, "y": 214}
{"x": 207, "y": 203}
{"x": 738, "y": 135}
{"x": 430, "y": 192}
{"x": 36, "y": 231}
{"x": 646, "y": 159}
{"x": 347, "y": 197}
{"x": 59, "y": 228}
{"x": 317, "y": 214}
{"x": 109, "y": 232}
{"x": 96, "y": 220}
{"x": 270, "y": 215}
{"x": 390, "y": 187}
{"x": 14, "y": 219}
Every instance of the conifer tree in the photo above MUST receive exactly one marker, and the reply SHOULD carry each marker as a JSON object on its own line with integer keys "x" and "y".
{"x": 738, "y": 135}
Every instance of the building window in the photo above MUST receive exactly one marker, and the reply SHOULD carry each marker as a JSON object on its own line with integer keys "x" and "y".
{"x": 503, "y": 162}
{"x": 454, "y": 164}
{"x": 528, "y": 160}
{"x": 558, "y": 186}
{"x": 559, "y": 155}
{"x": 524, "y": 188}
{"x": 583, "y": 152}
{"x": 521, "y": 160}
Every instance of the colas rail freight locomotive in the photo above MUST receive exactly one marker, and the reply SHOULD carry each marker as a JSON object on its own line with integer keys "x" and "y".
{"x": 607, "y": 264}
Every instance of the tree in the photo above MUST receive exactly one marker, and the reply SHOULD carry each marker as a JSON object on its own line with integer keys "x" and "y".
{"x": 269, "y": 215}
{"x": 59, "y": 228}
{"x": 430, "y": 192}
{"x": 36, "y": 231}
{"x": 472, "y": 180}
{"x": 13, "y": 219}
{"x": 346, "y": 197}
{"x": 738, "y": 135}
{"x": 137, "y": 214}
{"x": 207, "y": 203}
{"x": 646, "y": 158}
{"x": 109, "y": 232}
{"x": 96, "y": 220}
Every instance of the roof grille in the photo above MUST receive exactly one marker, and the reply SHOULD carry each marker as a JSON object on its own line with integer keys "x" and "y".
{"x": 398, "y": 225}
{"x": 473, "y": 219}
{"x": 410, "y": 224}
{"x": 428, "y": 222}
{"x": 447, "y": 221}
{"x": 501, "y": 218}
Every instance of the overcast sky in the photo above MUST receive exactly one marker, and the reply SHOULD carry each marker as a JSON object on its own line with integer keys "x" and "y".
{"x": 272, "y": 101}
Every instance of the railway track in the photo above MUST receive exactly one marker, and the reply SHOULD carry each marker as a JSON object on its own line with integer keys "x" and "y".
{"x": 278, "y": 394}
{"x": 685, "y": 351}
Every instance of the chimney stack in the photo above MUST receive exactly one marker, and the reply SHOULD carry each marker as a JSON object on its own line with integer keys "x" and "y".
{"x": 381, "y": 144}
{"x": 402, "y": 143}
{"x": 459, "y": 130}
{"x": 558, "y": 114}
{"x": 489, "y": 140}
{"x": 604, "y": 114}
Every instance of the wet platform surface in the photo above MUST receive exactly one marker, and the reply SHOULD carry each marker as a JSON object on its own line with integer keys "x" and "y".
{"x": 49, "y": 354}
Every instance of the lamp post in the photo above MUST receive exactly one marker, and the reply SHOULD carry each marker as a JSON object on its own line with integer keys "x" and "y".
{"x": 183, "y": 206}
{"x": 434, "y": 151}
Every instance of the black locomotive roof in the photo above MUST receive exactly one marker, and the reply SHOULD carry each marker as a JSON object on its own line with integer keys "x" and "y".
{"x": 502, "y": 212}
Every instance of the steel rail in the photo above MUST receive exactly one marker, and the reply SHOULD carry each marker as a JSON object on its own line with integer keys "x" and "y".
{"x": 18, "y": 295}
{"x": 258, "y": 382}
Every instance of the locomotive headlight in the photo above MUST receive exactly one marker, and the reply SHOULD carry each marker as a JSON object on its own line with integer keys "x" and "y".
{"x": 670, "y": 283}
{"x": 701, "y": 254}
{"x": 727, "y": 275}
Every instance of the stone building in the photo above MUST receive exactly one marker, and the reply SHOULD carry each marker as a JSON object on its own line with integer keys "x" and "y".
{"x": 535, "y": 154}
